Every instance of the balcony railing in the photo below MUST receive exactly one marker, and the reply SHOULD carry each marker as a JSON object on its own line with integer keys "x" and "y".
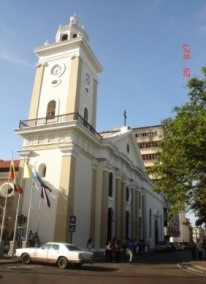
{"x": 58, "y": 119}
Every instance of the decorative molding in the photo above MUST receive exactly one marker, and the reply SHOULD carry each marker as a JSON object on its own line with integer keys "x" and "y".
{"x": 60, "y": 137}
{"x": 69, "y": 151}
{"x": 94, "y": 164}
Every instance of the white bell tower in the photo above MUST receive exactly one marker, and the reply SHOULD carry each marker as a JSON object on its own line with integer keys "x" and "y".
{"x": 66, "y": 76}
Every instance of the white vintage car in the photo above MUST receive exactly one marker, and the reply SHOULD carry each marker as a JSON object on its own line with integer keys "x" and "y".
{"x": 62, "y": 254}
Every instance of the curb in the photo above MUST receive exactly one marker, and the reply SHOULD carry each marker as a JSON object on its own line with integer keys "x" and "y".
{"x": 9, "y": 260}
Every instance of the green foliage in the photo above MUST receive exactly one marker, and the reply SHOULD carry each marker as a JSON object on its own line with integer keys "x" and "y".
{"x": 180, "y": 167}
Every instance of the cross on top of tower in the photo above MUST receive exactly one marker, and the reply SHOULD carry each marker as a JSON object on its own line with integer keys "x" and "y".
{"x": 125, "y": 117}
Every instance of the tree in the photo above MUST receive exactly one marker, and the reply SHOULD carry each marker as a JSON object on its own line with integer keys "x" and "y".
{"x": 180, "y": 167}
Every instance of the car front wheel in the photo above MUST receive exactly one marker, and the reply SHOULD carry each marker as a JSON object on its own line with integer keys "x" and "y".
{"x": 62, "y": 262}
{"x": 26, "y": 258}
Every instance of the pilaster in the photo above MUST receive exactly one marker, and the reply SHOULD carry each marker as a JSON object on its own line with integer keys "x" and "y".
{"x": 65, "y": 204}
{"x": 104, "y": 208}
{"x": 93, "y": 198}
{"x": 94, "y": 108}
{"x": 74, "y": 85}
{"x": 123, "y": 209}
{"x": 134, "y": 214}
{"x": 36, "y": 92}
{"x": 118, "y": 202}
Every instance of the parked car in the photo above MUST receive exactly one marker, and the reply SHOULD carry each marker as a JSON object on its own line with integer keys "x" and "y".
{"x": 62, "y": 254}
{"x": 163, "y": 246}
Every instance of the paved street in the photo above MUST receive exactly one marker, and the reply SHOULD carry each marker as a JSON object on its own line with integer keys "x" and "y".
{"x": 148, "y": 269}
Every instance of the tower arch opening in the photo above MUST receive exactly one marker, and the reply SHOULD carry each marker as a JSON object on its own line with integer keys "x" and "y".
{"x": 51, "y": 109}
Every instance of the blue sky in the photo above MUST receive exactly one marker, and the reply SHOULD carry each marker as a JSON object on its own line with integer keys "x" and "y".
{"x": 138, "y": 42}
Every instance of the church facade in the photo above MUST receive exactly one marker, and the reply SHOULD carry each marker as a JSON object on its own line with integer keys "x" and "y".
{"x": 97, "y": 179}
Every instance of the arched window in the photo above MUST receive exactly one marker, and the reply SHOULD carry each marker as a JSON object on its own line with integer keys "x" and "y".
{"x": 110, "y": 184}
{"x": 127, "y": 194}
{"x": 128, "y": 148}
{"x": 86, "y": 116}
{"x": 64, "y": 37}
{"x": 51, "y": 108}
{"x": 42, "y": 170}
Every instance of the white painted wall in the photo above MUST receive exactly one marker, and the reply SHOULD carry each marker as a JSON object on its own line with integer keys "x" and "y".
{"x": 52, "y": 159}
{"x": 82, "y": 200}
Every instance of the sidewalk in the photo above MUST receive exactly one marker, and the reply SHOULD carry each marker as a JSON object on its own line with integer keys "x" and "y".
{"x": 8, "y": 259}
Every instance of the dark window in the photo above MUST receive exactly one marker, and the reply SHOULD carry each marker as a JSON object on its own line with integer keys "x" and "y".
{"x": 86, "y": 115}
{"x": 65, "y": 37}
{"x": 110, "y": 184}
{"x": 151, "y": 144}
{"x": 127, "y": 194}
{"x": 128, "y": 148}
{"x": 51, "y": 108}
{"x": 149, "y": 157}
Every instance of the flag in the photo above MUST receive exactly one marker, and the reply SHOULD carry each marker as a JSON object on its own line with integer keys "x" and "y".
{"x": 40, "y": 185}
{"x": 27, "y": 171}
{"x": 17, "y": 186}
{"x": 11, "y": 172}
{"x": 45, "y": 197}
{"x": 38, "y": 180}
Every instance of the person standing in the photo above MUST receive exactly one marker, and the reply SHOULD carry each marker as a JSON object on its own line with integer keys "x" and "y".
{"x": 31, "y": 239}
{"x": 90, "y": 244}
{"x": 108, "y": 251}
{"x": 129, "y": 250}
{"x": 36, "y": 240}
{"x": 193, "y": 248}
{"x": 199, "y": 251}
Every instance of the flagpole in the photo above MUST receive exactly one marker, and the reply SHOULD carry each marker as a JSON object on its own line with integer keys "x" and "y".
{"x": 15, "y": 225}
{"x": 38, "y": 216}
{"x": 20, "y": 191}
{"x": 29, "y": 212}
{"x": 13, "y": 243}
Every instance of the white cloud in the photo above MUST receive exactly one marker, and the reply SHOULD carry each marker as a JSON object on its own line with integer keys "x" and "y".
{"x": 14, "y": 60}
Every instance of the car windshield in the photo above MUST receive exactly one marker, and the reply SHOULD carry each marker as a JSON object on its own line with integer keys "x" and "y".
{"x": 72, "y": 247}
{"x": 45, "y": 246}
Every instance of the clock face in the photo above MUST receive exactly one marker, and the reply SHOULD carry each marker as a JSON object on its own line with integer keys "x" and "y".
{"x": 87, "y": 78}
{"x": 56, "y": 70}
